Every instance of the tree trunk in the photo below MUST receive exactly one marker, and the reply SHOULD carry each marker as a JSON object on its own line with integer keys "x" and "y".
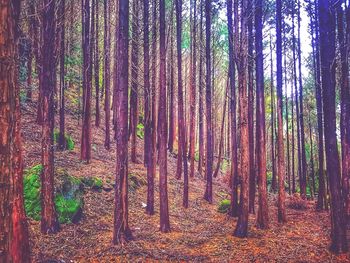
{"x": 106, "y": 73}
{"x": 122, "y": 232}
{"x": 85, "y": 151}
{"x": 209, "y": 131}
{"x": 172, "y": 118}
{"x": 97, "y": 67}
{"x": 61, "y": 138}
{"x": 280, "y": 143}
{"x": 134, "y": 78}
{"x": 262, "y": 217}
{"x": 162, "y": 126}
{"x": 327, "y": 51}
{"x": 14, "y": 241}
{"x": 49, "y": 220}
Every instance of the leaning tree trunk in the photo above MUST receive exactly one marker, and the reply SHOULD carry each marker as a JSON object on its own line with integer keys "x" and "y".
{"x": 49, "y": 220}
{"x": 14, "y": 241}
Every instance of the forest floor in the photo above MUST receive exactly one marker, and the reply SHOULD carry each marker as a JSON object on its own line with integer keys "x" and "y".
{"x": 199, "y": 233}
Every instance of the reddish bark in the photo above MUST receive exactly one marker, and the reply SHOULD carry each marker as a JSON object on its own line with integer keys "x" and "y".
{"x": 121, "y": 231}
{"x": 262, "y": 221}
{"x": 14, "y": 242}
{"x": 49, "y": 220}
{"x": 97, "y": 67}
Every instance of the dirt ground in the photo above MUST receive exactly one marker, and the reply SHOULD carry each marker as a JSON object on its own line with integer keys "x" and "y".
{"x": 199, "y": 233}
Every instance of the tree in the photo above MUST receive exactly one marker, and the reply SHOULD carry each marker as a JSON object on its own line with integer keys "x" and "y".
{"x": 232, "y": 73}
{"x": 106, "y": 72}
{"x": 85, "y": 149}
{"x": 162, "y": 126}
{"x": 122, "y": 232}
{"x": 209, "y": 130}
{"x": 49, "y": 220}
{"x": 150, "y": 161}
{"x": 134, "y": 78}
{"x": 262, "y": 217}
{"x": 172, "y": 118}
{"x": 182, "y": 148}
{"x": 280, "y": 144}
{"x": 97, "y": 65}
{"x": 327, "y": 24}
{"x": 61, "y": 137}
{"x": 14, "y": 241}
{"x": 241, "y": 229}
{"x": 193, "y": 81}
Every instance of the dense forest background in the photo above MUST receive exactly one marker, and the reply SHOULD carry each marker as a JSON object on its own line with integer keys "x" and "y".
{"x": 174, "y": 130}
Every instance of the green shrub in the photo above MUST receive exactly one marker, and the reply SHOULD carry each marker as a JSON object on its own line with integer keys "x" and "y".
{"x": 93, "y": 182}
{"x": 68, "y": 210}
{"x": 224, "y": 206}
{"x": 31, "y": 183}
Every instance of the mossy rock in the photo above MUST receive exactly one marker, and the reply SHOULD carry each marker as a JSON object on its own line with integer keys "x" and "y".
{"x": 136, "y": 181}
{"x": 68, "y": 197}
{"x": 224, "y": 206}
{"x": 93, "y": 182}
{"x": 69, "y": 141}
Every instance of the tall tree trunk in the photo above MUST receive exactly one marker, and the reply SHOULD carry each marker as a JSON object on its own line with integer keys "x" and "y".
{"x": 193, "y": 78}
{"x": 162, "y": 126}
{"x": 14, "y": 241}
{"x": 280, "y": 144}
{"x": 85, "y": 151}
{"x": 301, "y": 116}
{"x": 262, "y": 217}
{"x": 172, "y": 118}
{"x": 182, "y": 153}
{"x": 242, "y": 66}
{"x": 327, "y": 51}
{"x": 234, "y": 159}
{"x": 252, "y": 177}
{"x": 61, "y": 138}
{"x": 209, "y": 131}
{"x": 201, "y": 96}
{"x": 312, "y": 158}
{"x": 97, "y": 67}
{"x": 134, "y": 78}
{"x": 49, "y": 220}
{"x": 106, "y": 72}
{"x": 321, "y": 198}
{"x": 345, "y": 109}
{"x": 273, "y": 114}
{"x": 148, "y": 112}
{"x": 300, "y": 173}
{"x": 121, "y": 231}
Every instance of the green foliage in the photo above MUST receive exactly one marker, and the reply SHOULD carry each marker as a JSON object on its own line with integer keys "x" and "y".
{"x": 68, "y": 201}
{"x": 196, "y": 156}
{"x": 140, "y": 131}
{"x": 224, "y": 206}
{"x": 69, "y": 140}
{"x": 224, "y": 165}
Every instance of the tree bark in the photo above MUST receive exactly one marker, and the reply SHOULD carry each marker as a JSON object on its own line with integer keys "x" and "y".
{"x": 14, "y": 241}
{"x": 121, "y": 231}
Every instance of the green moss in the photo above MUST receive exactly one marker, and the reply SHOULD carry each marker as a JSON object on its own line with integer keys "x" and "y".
{"x": 224, "y": 206}
{"x": 140, "y": 131}
{"x": 69, "y": 140}
{"x": 94, "y": 183}
{"x": 67, "y": 209}
{"x": 31, "y": 182}
{"x": 68, "y": 200}
{"x": 136, "y": 181}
